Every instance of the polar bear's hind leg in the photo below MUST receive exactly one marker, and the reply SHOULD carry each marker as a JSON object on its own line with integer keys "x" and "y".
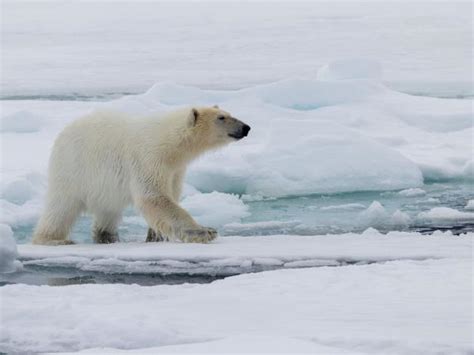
{"x": 57, "y": 220}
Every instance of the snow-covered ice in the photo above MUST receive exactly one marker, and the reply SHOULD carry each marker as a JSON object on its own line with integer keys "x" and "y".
{"x": 420, "y": 300}
{"x": 228, "y": 255}
{"x": 215, "y": 209}
{"x": 48, "y": 49}
{"x": 398, "y": 307}
{"x": 446, "y": 214}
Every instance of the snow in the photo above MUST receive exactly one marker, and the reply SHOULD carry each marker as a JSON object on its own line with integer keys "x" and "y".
{"x": 21, "y": 122}
{"x": 446, "y": 214}
{"x": 8, "y": 251}
{"x": 353, "y": 68}
{"x": 413, "y": 307}
{"x": 228, "y": 255}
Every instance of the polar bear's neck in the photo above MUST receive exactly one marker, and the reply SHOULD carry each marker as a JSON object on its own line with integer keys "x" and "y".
{"x": 173, "y": 141}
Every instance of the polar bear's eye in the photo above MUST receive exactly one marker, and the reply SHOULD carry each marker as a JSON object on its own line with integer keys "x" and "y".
{"x": 221, "y": 118}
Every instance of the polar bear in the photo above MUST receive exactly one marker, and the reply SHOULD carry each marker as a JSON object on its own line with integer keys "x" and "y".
{"x": 105, "y": 161}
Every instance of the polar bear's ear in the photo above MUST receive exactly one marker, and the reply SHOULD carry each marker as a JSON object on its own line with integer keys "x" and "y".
{"x": 193, "y": 117}
{"x": 215, "y": 106}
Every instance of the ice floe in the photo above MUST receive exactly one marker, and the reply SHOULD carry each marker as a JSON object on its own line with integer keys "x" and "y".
{"x": 399, "y": 307}
{"x": 446, "y": 214}
{"x": 8, "y": 251}
{"x": 469, "y": 205}
{"x": 229, "y": 255}
{"x": 413, "y": 192}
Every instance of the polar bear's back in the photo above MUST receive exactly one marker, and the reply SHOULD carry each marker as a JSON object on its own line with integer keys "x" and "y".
{"x": 90, "y": 157}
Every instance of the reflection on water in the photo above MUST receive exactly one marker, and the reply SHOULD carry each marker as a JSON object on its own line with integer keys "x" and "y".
{"x": 63, "y": 276}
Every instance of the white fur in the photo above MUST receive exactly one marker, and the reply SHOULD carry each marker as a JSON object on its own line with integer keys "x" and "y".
{"x": 105, "y": 161}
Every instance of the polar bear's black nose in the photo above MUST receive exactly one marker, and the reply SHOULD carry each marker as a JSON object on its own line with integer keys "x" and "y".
{"x": 245, "y": 130}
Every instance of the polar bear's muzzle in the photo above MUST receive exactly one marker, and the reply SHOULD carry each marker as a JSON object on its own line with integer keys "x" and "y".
{"x": 242, "y": 132}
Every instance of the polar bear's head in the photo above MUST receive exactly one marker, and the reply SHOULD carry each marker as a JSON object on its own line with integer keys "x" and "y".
{"x": 214, "y": 127}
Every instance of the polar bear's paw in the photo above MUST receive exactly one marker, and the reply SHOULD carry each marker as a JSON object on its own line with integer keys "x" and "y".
{"x": 104, "y": 237}
{"x": 153, "y": 236}
{"x": 199, "y": 235}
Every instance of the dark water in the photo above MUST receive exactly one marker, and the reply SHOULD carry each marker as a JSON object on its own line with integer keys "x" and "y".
{"x": 64, "y": 276}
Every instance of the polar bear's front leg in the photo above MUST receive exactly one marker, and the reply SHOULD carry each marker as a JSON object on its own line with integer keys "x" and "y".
{"x": 176, "y": 188}
{"x": 166, "y": 216}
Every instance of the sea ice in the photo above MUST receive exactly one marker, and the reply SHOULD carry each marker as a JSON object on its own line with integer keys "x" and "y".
{"x": 215, "y": 209}
{"x": 413, "y": 192}
{"x": 406, "y": 313}
{"x": 295, "y": 38}
{"x": 24, "y": 188}
{"x": 8, "y": 250}
{"x": 371, "y": 246}
{"x": 377, "y": 216}
{"x": 469, "y": 205}
{"x": 446, "y": 214}
{"x": 400, "y": 220}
